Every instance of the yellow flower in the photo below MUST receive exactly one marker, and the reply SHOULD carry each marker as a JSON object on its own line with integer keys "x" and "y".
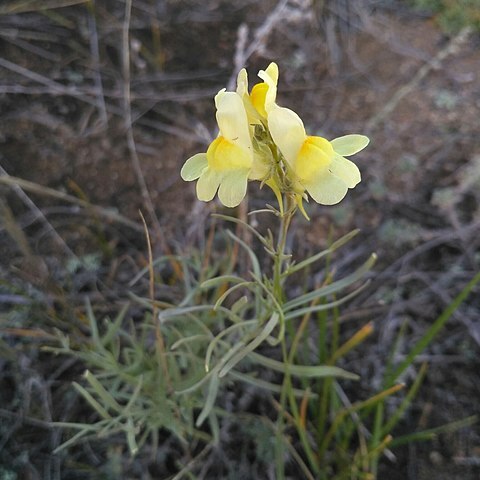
{"x": 261, "y": 165}
{"x": 227, "y": 164}
{"x": 262, "y": 94}
{"x": 315, "y": 164}
{"x": 231, "y": 160}
{"x": 253, "y": 128}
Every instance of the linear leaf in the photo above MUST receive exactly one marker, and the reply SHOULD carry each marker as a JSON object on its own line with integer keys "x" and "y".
{"x": 340, "y": 242}
{"x": 308, "y": 371}
{"x": 214, "y": 282}
{"x": 210, "y": 400}
{"x": 266, "y": 331}
{"x": 433, "y": 432}
{"x": 326, "y": 306}
{"x": 398, "y": 414}
{"x": 223, "y": 297}
{"x": 333, "y": 287}
{"x": 107, "y": 399}
{"x": 243, "y": 224}
{"x": 88, "y": 397}
{"x": 260, "y": 383}
{"x": 222, "y": 334}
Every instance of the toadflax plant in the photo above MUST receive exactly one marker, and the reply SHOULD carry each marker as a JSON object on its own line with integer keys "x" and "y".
{"x": 171, "y": 372}
{"x": 261, "y": 141}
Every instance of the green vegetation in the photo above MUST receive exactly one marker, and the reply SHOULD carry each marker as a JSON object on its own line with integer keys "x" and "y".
{"x": 453, "y": 15}
{"x": 171, "y": 371}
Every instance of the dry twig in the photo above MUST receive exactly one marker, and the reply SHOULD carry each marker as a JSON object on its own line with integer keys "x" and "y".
{"x": 452, "y": 48}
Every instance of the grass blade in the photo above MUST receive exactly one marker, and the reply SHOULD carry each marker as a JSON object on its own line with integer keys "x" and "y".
{"x": 434, "y": 329}
{"x": 434, "y": 432}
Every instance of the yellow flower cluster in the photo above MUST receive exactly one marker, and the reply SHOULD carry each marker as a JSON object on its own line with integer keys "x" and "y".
{"x": 259, "y": 140}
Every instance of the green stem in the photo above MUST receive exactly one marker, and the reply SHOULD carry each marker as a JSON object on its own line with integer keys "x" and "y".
{"x": 278, "y": 269}
{"x": 279, "y": 446}
{"x": 279, "y": 258}
{"x": 280, "y": 266}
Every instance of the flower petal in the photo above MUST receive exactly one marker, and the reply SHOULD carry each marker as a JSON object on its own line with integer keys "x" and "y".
{"x": 327, "y": 189}
{"x": 270, "y": 77}
{"x": 207, "y": 184}
{"x": 314, "y": 158}
{"x": 242, "y": 82}
{"x": 223, "y": 155}
{"x": 253, "y": 116}
{"x": 194, "y": 167}
{"x": 232, "y": 119}
{"x": 258, "y": 96}
{"x": 350, "y": 144}
{"x": 259, "y": 171}
{"x": 233, "y": 187}
{"x": 345, "y": 170}
{"x": 287, "y": 131}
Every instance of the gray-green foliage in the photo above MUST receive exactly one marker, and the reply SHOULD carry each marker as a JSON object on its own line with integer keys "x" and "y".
{"x": 170, "y": 371}
{"x": 204, "y": 345}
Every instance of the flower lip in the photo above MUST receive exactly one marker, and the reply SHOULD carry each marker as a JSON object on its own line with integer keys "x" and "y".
{"x": 350, "y": 144}
{"x": 194, "y": 167}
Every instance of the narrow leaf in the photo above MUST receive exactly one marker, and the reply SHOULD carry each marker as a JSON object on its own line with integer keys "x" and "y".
{"x": 253, "y": 258}
{"x": 272, "y": 387}
{"x": 337, "y": 244}
{"x": 352, "y": 342}
{"x": 131, "y": 434}
{"x": 210, "y": 400}
{"x": 398, "y": 414}
{"x": 108, "y": 400}
{"x": 227, "y": 331}
{"x": 308, "y": 371}
{"x": 214, "y": 282}
{"x": 223, "y": 297}
{"x": 96, "y": 406}
{"x": 266, "y": 331}
{"x": 243, "y": 224}
{"x": 434, "y": 432}
{"x": 333, "y": 287}
{"x": 325, "y": 306}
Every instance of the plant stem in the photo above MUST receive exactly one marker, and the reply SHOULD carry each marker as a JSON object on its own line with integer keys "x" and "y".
{"x": 279, "y": 258}
{"x": 278, "y": 269}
